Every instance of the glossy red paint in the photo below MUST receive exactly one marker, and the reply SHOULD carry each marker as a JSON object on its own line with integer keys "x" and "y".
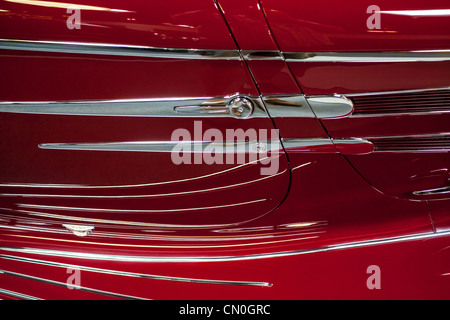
{"x": 166, "y": 24}
{"x": 404, "y": 172}
{"x": 62, "y": 77}
{"x": 322, "y": 223}
{"x": 318, "y": 78}
{"x": 335, "y": 26}
{"x": 441, "y": 214}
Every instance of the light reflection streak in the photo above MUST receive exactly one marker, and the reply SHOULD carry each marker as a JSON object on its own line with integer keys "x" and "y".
{"x": 161, "y": 246}
{"x": 419, "y": 13}
{"x": 78, "y": 186}
{"x": 65, "y": 5}
{"x": 302, "y": 165}
{"x": 35, "y": 206}
{"x": 136, "y": 196}
{"x": 196, "y": 259}
{"x": 122, "y": 222}
{"x": 157, "y": 237}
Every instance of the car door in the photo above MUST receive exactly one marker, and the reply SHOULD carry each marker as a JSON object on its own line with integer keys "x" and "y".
{"x": 378, "y": 73}
{"x": 131, "y": 115}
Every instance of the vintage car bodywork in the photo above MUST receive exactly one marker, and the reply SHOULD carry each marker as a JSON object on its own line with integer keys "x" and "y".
{"x": 354, "y": 102}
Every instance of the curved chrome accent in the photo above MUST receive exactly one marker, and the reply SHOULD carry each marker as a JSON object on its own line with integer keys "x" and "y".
{"x": 335, "y": 106}
{"x": 194, "y": 259}
{"x": 62, "y": 284}
{"x": 117, "y": 50}
{"x": 136, "y": 275}
{"x": 18, "y": 295}
{"x": 431, "y": 192}
{"x": 172, "y": 107}
{"x": 369, "y": 57}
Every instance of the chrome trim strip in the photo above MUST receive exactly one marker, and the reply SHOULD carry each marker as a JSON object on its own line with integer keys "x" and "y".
{"x": 369, "y": 57}
{"x": 62, "y": 284}
{"x": 335, "y": 106}
{"x": 135, "y": 275}
{"x": 132, "y": 108}
{"x": 306, "y": 142}
{"x": 193, "y": 259}
{"x": 118, "y": 50}
{"x": 262, "y": 55}
{"x": 431, "y": 192}
{"x": 220, "y": 54}
{"x": 169, "y": 146}
{"x": 288, "y": 106}
{"x": 311, "y": 142}
{"x": 18, "y": 295}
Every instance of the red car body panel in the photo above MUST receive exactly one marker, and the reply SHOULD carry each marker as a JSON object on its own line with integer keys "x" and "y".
{"x": 161, "y": 230}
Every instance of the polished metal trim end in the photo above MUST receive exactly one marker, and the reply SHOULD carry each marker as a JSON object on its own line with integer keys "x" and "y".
{"x": 117, "y": 50}
{"x": 336, "y": 106}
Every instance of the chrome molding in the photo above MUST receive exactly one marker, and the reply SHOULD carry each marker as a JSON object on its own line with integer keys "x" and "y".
{"x": 220, "y": 147}
{"x": 117, "y": 50}
{"x": 433, "y": 192}
{"x": 287, "y": 106}
{"x": 254, "y": 147}
{"x": 219, "y": 54}
{"x": 194, "y": 259}
{"x": 344, "y": 145}
{"x": 62, "y": 284}
{"x": 18, "y": 295}
{"x": 369, "y": 57}
{"x": 306, "y": 142}
{"x": 262, "y": 55}
{"x": 139, "y": 108}
{"x": 335, "y": 106}
{"x": 133, "y": 274}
